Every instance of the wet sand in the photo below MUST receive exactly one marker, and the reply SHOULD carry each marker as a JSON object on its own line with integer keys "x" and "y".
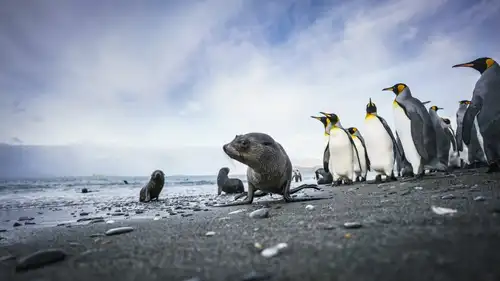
{"x": 395, "y": 235}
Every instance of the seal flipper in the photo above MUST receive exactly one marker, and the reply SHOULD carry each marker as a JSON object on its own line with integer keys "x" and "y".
{"x": 287, "y": 192}
{"x": 248, "y": 200}
{"x": 298, "y": 188}
{"x": 468, "y": 121}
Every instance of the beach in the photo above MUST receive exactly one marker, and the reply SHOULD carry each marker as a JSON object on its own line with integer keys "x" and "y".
{"x": 440, "y": 228}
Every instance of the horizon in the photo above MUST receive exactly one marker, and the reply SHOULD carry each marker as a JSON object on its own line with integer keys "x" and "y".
{"x": 130, "y": 88}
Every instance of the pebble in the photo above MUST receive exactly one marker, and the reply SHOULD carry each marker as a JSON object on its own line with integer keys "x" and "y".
{"x": 3, "y": 230}
{"x": 443, "y": 211}
{"x": 418, "y": 187}
{"x": 25, "y": 219}
{"x": 40, "y": 258}
{"x": 352, "y": 225}
{"x": 448, "y": 196}
{"x": 237, "y": 211}
{"x": 309, "y": 207}
{"x": 110, "y": 221}
{"x": 119, "y": 230}
{"x": 474, "y": 186}
{"x": 7, "y": 258}
{"x": 16, "y": 224}
{"x": 256, "y": 276}
{"x": 186, "y": 215}
{"x": 157, "y": 218}
{"x": 139, "y": 211}
{"x": 84, "y": 214}
{"x": 479, "y": 198}
{"x": 273, "y": 251}
{"x": 29, "y": 223}
{"x": 210, "y": 233}
{"x": 406, "y": 192}
{"x": 96, "y": 221}
{"x": 260, "y": 213}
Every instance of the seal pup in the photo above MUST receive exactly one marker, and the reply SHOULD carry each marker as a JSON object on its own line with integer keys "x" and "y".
{"x": 454, "y": 158}
{"x": 415, "y": 129}
{"x": 224, "y": 183}
{"x": 442, "y": 140}
{"x": 323, "y": 177}
{"x": 362, "y": 166}
{"x": 381, "y": 146}
{"x": 475, "y": 154}
{"x": 342, "y": 149}
{"x": 269, "y": 167}
{"x": 485, "y": 106}
{"x": 153, "y": 188}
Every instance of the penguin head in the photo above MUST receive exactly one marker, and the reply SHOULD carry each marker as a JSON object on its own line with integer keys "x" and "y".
{"x": 352, "y": 130}
{"x": 435, "y": 108}
{"x": 371, "y": 107}
{"x": 322, "y": 119}
{"x": 466, "y": 102}
{"x": 480, "y": 64}
{"x": 333, "y": 120}
{"x": 397, "y": 88}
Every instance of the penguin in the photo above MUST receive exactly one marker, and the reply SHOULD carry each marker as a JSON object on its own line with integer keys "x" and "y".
{"x": 442, "y": 141}
{"x": 475, "y": 155}
{"x": 404, "y": 167}
{"x": 342, "y": 149}
{"x": 326, "y": 151}
{"x": 380, "y": 144}
{"x": 485, "y": 106}
{"x": 454, "y": 154}
{"x": 414, "y": 127}
{"x": 362, "y": 166}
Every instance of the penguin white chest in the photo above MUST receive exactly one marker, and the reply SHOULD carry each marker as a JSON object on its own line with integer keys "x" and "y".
{"x": 341, "y": 156}
{"x": 379, "y": 146}
{"x": 358, "y": 167}
{"x": 403, "y": 127}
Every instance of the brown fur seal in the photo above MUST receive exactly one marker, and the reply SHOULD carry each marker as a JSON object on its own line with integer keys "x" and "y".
{"x": 153, "y": 188}
{"x": 269, "y": 167}
{"x": 224, "y": 183}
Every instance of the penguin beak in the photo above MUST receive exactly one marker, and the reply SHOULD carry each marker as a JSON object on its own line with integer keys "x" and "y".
{"x": 469, "y": 64}
{"x": 387, "y": 89}
{"x": 326, "y": 114}
{"x": 440, "y": 108}
{"x": 316, "y": 117}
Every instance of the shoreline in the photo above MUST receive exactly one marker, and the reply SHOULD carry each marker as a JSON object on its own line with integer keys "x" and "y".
{"x": 399, "y": 238}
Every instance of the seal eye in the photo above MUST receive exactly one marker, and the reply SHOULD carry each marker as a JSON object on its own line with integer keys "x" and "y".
{"x": 267, "y": 143}
{"x": 244, "y": 143}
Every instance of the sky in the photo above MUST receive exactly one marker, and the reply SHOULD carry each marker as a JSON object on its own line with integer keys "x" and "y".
{"x": 141, "y": 85}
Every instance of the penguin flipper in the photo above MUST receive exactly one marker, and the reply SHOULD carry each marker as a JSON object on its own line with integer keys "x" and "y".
{"x": 398, "y": 148}
{"x": 450, "y": 136}
{"x": 353, "y": 144}
{"x": 367, "y": 159}
{"x": 417, "y": 124}
{"x": 458, "y": 135}
{"x": 326, "y": 157}
{"x": 468, "y": 121}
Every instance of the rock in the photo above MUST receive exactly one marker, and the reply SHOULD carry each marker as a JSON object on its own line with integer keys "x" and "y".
{"x": 418, "y": 187}
{"x": 479, "y": 198}
{"x": 352, "y": 225}
{"x": 115, "y": 214}
{"x": 110, "y": 221}
{"x": 85, "y": 190}
{"x": 237, "y": 211}
{"x": 40, "y": 258}
{"x": 29, "y": 223}
{"x": 139, "y": 211}
{"x": 260, "y": 213}
{"x": 16, "y": 224}
{"x": 448, "y": 196}
{"x": 210, "y": 233}
{"x": 309, "y": 207}
{"x": 119, "y": 230}
{"x": 97, "y": 220}
{"x": 186, "y": 215}
{"x": 25, "y": 219}
{"x": 273, "y": 251}
{"x": 3, "y": 230}
{"x": 7, "y": 258}
{"x": 406, "y": 192}
{"x": 84, "y": 214}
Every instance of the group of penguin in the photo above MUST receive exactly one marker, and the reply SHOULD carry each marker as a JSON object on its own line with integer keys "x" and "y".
{"x": 423, "y": 140}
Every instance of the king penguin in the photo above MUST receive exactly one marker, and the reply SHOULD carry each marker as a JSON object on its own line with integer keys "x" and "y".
{"x": 414, "y": 127}
{"x": 475, "y": 154}
{"x": 380, "y": 144}
{"x": 404, "y": 167}
{"x": 485, "y": 105}
{"x": 442, "y": 140}
{"x": 326, "y": 151}
{"x": 342, "y": 149}
{"x": 454, "y": 154}
{"x": 362, "y": 166}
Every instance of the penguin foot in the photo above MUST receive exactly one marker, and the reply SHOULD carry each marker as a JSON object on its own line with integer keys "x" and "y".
{"x": 337, "y": 182}
{"x": 419, "y": 176}
{"x": 378, "y": 178}
{"x": 392, "y": 178}
{"x": 363, "y": 179}
{"x": 348, "y": 182}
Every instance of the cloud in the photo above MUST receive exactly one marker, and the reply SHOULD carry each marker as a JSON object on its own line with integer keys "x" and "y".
{"x": 185, "y": 77}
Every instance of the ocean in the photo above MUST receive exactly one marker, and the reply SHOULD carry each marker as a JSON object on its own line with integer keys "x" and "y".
{"x": 60, "y": 201}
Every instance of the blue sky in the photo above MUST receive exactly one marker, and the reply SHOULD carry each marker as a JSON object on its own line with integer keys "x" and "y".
{"x": 158, "y": 78}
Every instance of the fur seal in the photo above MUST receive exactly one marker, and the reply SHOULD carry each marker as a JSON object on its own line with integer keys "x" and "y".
{"x": 153, "y": 188}
{"x": 224, "y": 183}
{"x": 323, "y": 177}
{"x": 269, "y": 167}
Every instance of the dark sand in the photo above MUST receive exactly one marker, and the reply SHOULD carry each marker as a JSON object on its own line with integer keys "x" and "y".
{"x": 401, "y": 239}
